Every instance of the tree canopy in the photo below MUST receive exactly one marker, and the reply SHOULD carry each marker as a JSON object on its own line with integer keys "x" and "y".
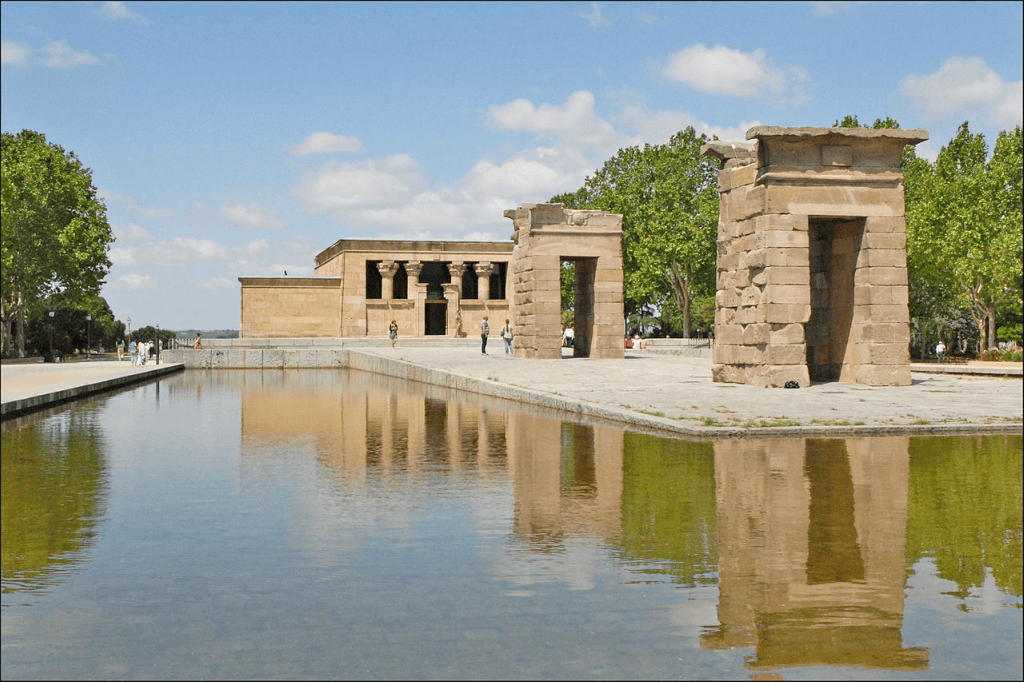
{"x": 55, "y": 232}
{"x": 668, "y": 196}
{"x": 964, "y": 231}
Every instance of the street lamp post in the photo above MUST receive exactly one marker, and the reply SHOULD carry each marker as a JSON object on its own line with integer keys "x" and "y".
{"x": 51, "y": 334}
{"x": 158, "y": 343}
{"x": 88, "y": 336}
{"x": 129, "y": 330}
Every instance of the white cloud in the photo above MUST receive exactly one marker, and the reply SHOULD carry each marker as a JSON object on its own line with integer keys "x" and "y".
{"x": 134, "y": 282}
{"x": 131, "y": 204}
{"x": 132, "y": 233}
{"x": 215, "y": 283}
{"x": 326, "y": 143}
{"x": 575, "y": 123}
{"x": 13, "y": 54}
{"x": 58, "y": 54}
{"x": 118, "y": 11}
{"x": 595, "y": 18}
{"x": 721, "y": 70}
{"x": 965, "y": 85}
{"x": 252, "y": 215}
{"x": 391, "y": 197}
{"x": 371, "y": 184}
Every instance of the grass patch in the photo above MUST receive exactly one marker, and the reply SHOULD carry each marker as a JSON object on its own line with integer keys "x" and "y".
{"x": 772, "y": 424}
{"x": 836, "y": 422}
{"x": 711, "y": 421}
{"x": 921, "y": 422}
{"x": 653, "y": 414}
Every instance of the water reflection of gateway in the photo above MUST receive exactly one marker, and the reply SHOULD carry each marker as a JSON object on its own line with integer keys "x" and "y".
{"x": 812, "y": 536}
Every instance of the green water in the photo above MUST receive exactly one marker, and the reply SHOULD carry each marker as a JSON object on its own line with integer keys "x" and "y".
{"x": 313, "y": 524}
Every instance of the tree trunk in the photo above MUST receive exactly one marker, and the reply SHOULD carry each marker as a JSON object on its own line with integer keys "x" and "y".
{"x": 993, "y": 341}
{"x": 20, "y": 340}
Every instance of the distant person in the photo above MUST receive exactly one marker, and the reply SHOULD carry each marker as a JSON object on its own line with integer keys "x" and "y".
{"x": 143, "y": 352}
{"x": 120, "y": 350}
{"x": 485, "y": 330}
{"x": 567, "y": 337}
{"x": 940, "y": 349}
{"x": 393, "y": 333}
{"x": 458, "y": 324}
{"x": 506, "y": 336}
{"x": 133, "y": 353}
{"x": 198, "y": 345}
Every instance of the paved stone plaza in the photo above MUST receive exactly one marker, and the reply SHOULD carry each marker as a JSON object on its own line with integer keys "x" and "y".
{"x": 666, "y": 393}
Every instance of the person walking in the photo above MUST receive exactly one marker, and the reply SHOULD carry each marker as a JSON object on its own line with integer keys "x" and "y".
{"x": 133, "y": 353}
{"x": 393, "y": 333}
{"x": 506, "y": 336}
{"x": 120, "y": 350}
{"x": 940, "y": 349}
{"x": 198, "y": 344}
{"x": 485, "y": 330}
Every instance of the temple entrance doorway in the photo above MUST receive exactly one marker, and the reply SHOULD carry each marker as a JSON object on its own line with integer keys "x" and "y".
{"x": 834, "y": 247}
{"x": 435, "y": 322}
{"x": 583, "y": 273}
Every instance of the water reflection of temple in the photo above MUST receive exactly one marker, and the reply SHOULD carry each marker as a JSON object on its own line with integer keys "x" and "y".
{"x": 808, "y": 536}
{"x": 812, "y": 536}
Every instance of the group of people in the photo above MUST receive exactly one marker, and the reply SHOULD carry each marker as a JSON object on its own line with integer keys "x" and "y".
{"x": 485, "y": 331}
{"x": 138, "y": 352}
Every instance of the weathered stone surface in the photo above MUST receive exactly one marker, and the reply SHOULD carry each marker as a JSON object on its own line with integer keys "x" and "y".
{"x": 817, "y": 225}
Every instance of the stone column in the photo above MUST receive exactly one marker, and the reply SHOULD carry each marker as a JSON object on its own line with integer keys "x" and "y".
{"x": 412, "y": 269}
{"x": 483, "y": 273}
{"x": 453, "y": 291}
{"x": 455, "y": 269}
{"x": 387, "y": 270}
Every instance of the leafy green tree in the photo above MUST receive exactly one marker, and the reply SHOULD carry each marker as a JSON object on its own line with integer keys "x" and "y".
{"x": 965, "y": 231}
{"x": 668, "y": 196}
{"x": 55, "y": 232}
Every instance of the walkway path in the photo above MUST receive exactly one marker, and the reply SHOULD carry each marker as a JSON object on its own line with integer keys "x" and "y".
{"x": 662, "y": 392}
{"x": 26, "y": 387}
{"x": 678, "y": 391}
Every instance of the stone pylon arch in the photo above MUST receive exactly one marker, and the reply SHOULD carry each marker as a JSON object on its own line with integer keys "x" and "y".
{"x": 812, "y": 260}
{"x": 545, "y": 235}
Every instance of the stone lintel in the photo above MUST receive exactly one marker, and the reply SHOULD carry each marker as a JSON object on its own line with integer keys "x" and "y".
{"x": 911, "y": 136}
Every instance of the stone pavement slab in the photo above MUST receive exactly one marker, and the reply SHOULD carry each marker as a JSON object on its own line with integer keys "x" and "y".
{"x": 676, "y": 393}
{"x": 26, "y": 387}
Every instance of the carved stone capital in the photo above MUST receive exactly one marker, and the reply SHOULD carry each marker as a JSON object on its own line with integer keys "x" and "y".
{"x": 412, "y": 268}
{"x": 387, "y": 268}
{"x": 484, "y": 269}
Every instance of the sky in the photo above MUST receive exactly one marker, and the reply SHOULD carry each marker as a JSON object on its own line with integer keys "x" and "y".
{"x": 236, "y": 140}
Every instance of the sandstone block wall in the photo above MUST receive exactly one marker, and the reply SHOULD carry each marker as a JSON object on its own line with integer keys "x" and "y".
{"x": 545, "y": 235}
{"x": 811, "y": 272}
{"x": 293, "y": 307}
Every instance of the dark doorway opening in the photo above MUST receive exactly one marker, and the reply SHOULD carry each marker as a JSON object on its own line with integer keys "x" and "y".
{"x": 583, "y": 305}
{"x": 436, "y": 320}
{"x": 834, "y": 247}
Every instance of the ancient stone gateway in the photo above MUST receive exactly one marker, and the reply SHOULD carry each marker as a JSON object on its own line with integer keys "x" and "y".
{"x": 812, "y": 266}
{"x": 545, "y": 235}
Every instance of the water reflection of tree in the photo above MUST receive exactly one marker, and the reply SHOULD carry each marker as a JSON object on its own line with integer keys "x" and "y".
{"x": 668, "y": 506}
{"x": 53, "y": 487}
{"x": 966, "y": 509}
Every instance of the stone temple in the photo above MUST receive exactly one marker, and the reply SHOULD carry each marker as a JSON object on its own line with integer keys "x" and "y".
{"x": 812, "y": 266}
{"x": 445, "y": 288}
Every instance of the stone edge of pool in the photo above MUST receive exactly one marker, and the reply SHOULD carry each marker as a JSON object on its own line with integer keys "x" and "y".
{"x": 21, "y": 406}
{"x": 404, "y": 369}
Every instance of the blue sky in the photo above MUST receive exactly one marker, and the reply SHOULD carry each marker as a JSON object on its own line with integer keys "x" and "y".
{"x": 234, "y": 140}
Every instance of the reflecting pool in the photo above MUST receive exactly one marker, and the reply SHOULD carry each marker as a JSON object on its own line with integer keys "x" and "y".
{"x": 320, "y": 523}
